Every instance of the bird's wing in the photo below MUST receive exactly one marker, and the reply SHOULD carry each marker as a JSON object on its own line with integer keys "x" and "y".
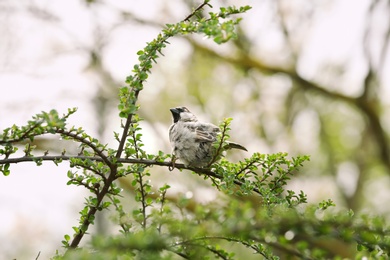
{"x": 206, "y": 132}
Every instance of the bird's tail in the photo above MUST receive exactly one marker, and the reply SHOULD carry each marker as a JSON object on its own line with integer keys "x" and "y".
{"x": 232, "y": 145}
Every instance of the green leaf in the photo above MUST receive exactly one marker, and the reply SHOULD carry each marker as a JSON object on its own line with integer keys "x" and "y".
{"x": 143, "y": 75}
{"x": 5, "y": 169}
{"x": 360, "y": 247}
{"x": 106, "y": 204}
{"x": 76, "y": 230}
{"x": 149, "y": 201}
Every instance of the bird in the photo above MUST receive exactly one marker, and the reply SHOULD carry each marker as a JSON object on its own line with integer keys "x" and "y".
{"x": 193, "y": 142}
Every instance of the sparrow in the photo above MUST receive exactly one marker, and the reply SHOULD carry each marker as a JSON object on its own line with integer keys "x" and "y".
{"x": 192, "y": 141}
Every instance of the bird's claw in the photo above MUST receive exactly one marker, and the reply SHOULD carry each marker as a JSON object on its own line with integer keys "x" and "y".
{"x": 172, "y": 167}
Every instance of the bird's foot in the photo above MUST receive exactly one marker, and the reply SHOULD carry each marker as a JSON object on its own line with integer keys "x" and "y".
{"x": 172, "y": 167}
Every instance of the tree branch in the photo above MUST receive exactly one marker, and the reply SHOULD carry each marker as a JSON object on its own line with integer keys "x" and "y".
{"x": 200, "y": 171}
{"x": 93, "y": 209}
{"x": 86, "y": 142}
{"x": 196, "y": 10}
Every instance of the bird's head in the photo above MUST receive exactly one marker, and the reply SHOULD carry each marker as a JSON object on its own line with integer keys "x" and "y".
{"x": 182, "y": 114}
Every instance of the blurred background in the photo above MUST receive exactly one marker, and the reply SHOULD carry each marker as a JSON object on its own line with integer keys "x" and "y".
{"x": 303, "y": 77}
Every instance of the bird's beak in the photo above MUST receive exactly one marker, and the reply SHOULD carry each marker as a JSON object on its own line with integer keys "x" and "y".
{"x": 176, "y": 114}
{"x": 174, "y": 111}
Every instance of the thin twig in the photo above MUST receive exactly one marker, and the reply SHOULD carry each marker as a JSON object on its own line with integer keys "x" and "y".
{"x": 39, "y": 253}
{"x": 219, "y": 150}
{"x": 196, "y": 10}
{"x": 81, "y": 183}
{"x": 93, "y": 170}
{"x": 92, "y": 210}
{"x": 86, "y": 142}
{"x": 125, "y": 131}
{"x": 143, "y": 199}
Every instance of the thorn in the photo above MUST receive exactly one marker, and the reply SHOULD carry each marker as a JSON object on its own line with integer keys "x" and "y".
{"x": 81, "y": 151}
{"x": 27, "y": 150}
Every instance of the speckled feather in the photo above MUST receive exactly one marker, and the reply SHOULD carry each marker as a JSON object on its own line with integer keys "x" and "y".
{"x": 191, "y": 140}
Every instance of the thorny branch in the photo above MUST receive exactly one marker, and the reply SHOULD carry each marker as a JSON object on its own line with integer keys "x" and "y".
{"x": 200, "y": 171}
{"x": 86, "y": 142}
{"x": 196, "y": 10}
